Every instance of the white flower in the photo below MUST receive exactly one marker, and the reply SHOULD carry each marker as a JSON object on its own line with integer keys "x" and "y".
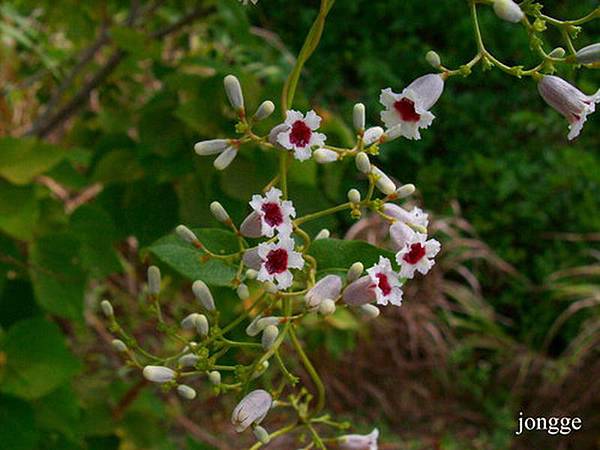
{"x": 417, "y": 254}
{"x": 300, "y": 135}
{"x": 569, "y": 101}
{"x": 410, "y": 108}
{"x": 386, "y": 283}
{"x": 416, "y": 216}
{"x": 359, "y": 441}
{"x": 327, "y": 287}
{"x": 251, "y": 409}
{"x": 276, "y": 261}
{"x": 270, "y": 214}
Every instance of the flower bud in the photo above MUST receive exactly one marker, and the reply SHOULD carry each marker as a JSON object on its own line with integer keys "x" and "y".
{"x": 383, "y": 183}
{"x": 327, "y": 287}
{"x": 186, "y": 392}
{"x": 119, "y": 345}
{"x": 234, "y": 92}
{"x": 368, "y": 311}
{"x": 224, "y": 159}
{"x": 211, "y": 147}
{"x": 265, "y": 109}
{"x": 219, "y": 212}
{"x": 327, "y": 307}
{"x": 323, "y": 234}
{"x": 354, "y": 196}
{"x": 325, "y": 156}
{"x": 251, "y": 274}
{"x": 252, "y": 329}
{"x": 189, "y": 322}
{"x": 589, "y": 54}
{"x": 405, "y": 190}
{"x": 269, "y": 335}
{"x": 266, "y": 321}
{"x": 186, "y": 234}
{"x": 372, "y": 135}
{"x": 188, "y": 360}
{"x": 158, "y": 374}
{"x": 508, "y": 10}
{"x": 153, "y": 280}
{"x": 203, "y": 295}
{"x": 359, "y": 441}
{"x": 270, "y": 287}
{"x": 261, "y": 435}
{"x": 354, "y": 272}
{"x": 362, "y": 163}
{"x": 243, "y": 292}
{"x": 358, "y": 117}
{"x": 107, "y": 309}
{"x": 214, "y": 377}
{"x": 433, "y": 59}
{"x": 260, "y": 370}
{"x": 251, "y": 409}
{"x": 202, "y": 325}
{"x": 359, "y": 292}
{"x": 558, "y": 52}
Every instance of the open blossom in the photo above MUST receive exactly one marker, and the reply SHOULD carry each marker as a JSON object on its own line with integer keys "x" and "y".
{"x": 569, "y": 101}
{"x": 277, "y": 258}
{"x": 270, "y": 214}
{"x": 359, "y": 441}
{"x": 417, "y": 254}
{"x": 300, "y": 134}
{"x": 415, "y": 216}
{"x": 328, "y": 287}
{"x": 251, "y": 409}
{"x": 409, "y": 110}
{"x": 385, "y": 283}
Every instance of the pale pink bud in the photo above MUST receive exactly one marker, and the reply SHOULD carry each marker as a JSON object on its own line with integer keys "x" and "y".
{"x": 251, "y": 409}
{"x": 233, "y": 89}
{"x": 225, "y": 158}
{"x": 372, "y": 135}
{"x": 508, "y": 10}
{"x": 158, "y": 374}
{"x": 327, "y": 287}
{"x": 325, "y": 156}
{"x": 252, "y": 225}
{"x": 211, "y": 147}
{"x": 359, "y": 292}
{"x": 252, "y": 259}
{"x": 359, "y": 441}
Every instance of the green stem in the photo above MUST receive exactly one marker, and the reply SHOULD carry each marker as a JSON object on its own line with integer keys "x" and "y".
{"x": 310, "y": 369}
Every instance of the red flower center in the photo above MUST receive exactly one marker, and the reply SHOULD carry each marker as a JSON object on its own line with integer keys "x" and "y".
{"x": 273, "y": 215}
{"x": 384, "y": 284}
{"x": 417, "y": 251}
{"x": 406, "y": 109}
{"x": 300, "y": 134}
{"x": 277, "y": 261}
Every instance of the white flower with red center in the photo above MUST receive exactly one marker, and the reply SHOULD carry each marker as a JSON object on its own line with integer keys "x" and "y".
{"x": 417, "y": 255}
{"x": 385, "y": 283}
{"x": 300, "y": 134}
{"x": 409, "y": 110}
{"x": 270, "y": 214}
{"x": 277, "y": 258}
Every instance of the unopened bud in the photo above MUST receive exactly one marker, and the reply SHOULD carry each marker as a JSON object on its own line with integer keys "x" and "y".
{"x": 188, "y": 360}
{"x": 269, "y": 335}
{"x": 358, "y": 117}
{"x": 372, "y": 135}
{"x": 252, "y": 409}
{"x": 327, "y": 307}
{"x": 243, "y": 292}
{"x": 186, "y": 392}
{"x": 433, "y": 59}
{"x": 251, "y": 274}
{"x": 202, "y": 325}
{"x": 323, "y": 234}
{"x": 265, "y": 109}
{"x": 355, "y": 272}
{"x": 107, "y": 308}
{"x": 261, "y": 435}
{"x": 589, "y": 54}
{"x": 508, "y": 10}
{"x": 211, "y": 147}
{"x": 119, "y": 345}
{"x": 186, "y": 234}
{"x": 354, "y": 196}
{"x": 405, "y": 190}
{"x": 234, "y": 92}
{"x": 214, "y": 377}
{"x": 362, "y": 163}
{"x": 219, "y": 212}
{"x": 224, "y": 159}
{"x": 383, "y": 183}
{"x": 153, "y": 280}
{"x": 368, "y": 311}
{"x": 158, "y": 374}
{"x": 260, "y": 370}
{"x": 558, "y": 52}
{"x": 203, "y": 295}
{"x": 325, "y": 156}
{"x": 270, "y": 287}
{"x": 189, "y": 322}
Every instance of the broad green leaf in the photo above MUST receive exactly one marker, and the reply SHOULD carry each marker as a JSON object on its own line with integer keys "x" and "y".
{"x": 186, "y": 260}
{"x": 56, "y": 274}
{"x": 17, "y": 302}
{"x": 19, "y": 210}
{"x": 118, "y": 166}
{"x": 60, "y": 411}
{"x": 37, "y": 359}
{"x": 21, "y": 160}
{"x": 341, "y": 254}
{"x": 17, "y": 424}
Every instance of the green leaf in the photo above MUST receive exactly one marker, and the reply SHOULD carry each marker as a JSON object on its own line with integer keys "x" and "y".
{"x": 185, "y": 259}
{"x": 21, "y": 160}
{"x": 58, "y": 280}
{"x": 17, "y": 424}
{"x": 341, "y": 254}
{"x": 19, "y": 210}
{"x": 60, "y": 411}
{"x": 37, "y": 359}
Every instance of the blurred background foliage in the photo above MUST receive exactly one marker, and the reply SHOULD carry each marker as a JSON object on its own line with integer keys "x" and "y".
{"x": 100, "y": 104}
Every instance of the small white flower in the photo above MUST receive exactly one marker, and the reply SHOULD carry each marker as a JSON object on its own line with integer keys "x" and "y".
{"x": 569, "y": 101}
{"x": 300, "y": 135}
{"x": 359, "y": 441}
{"x": 387, "y": 286}
{"x": 417, "y": 254}
{"x": 410, "y": 108}
{"x": 416, "y": 216}
{"x": 271, "y": 214}
{"x": 329, "y": 286}
{"x": 251, "y": 409}
{"x": 277, "y": 260}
